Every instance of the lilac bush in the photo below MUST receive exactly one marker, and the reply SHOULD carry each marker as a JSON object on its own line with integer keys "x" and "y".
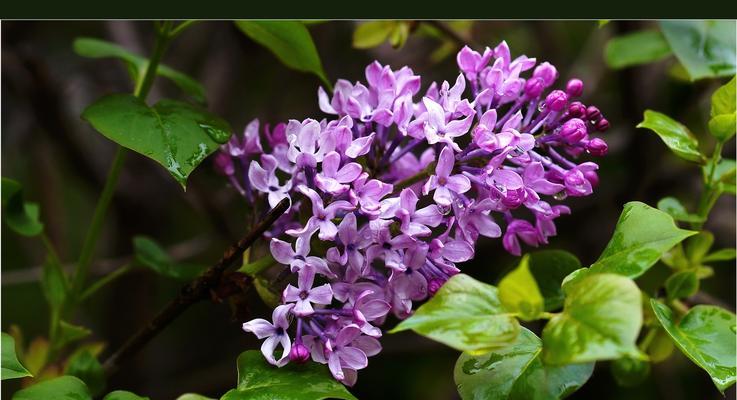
{"x": 393, "y": 190}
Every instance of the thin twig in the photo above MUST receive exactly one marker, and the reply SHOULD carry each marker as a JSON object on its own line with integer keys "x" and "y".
{"x": 451, "y": 33}
{"x": 193, "y": 292}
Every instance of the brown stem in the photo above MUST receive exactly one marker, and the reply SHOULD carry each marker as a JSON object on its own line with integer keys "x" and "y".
{"x": 193, "y": 292}
{"x": 451, "y": 33}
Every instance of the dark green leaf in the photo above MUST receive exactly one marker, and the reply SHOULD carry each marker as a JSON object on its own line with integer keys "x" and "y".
{"x": 705, "y": 48}
{"x": 373, "y": 33}
{"x": 517, "y": 372}
{"x": 706, "y": 335}
{"x": 643, "y": 234}
{"x": 682, "y": 284}
{"x": 675, "y": 209}
{"x": 176, "y": 135}
{"x": 11, "y": 367}
{"x": 630, "y": 372}
{"x": 464, "y": 314}
{"x": 550, "y": 267}
{"x": 520, "y": 294}
{"x": 123, "y": 395}
{"x": 257, "y": 380}
{"x": 290, "y": 41}
{"x": 21, "y": 217}
{"x": 720, "y": 255}
{"x": 54, "y": 283}
{"x": 636, "y": 48}
{"x": 61, "y": 388}
{"x": 149, "y": 254}
{"x": 85, "y": 366}
{"x": 69, "y": 333}
{"x": 674, "y": 134}
{"x": 601, "y": 319}
{"x": 95, "y": 48}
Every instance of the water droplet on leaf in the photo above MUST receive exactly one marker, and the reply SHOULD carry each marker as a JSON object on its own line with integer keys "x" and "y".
{"x": 216, "y": 134}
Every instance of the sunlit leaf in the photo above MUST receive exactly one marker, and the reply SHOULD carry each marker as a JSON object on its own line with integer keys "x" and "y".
{"x": 519, "y": 292}
{"x": 722, "y": 123}
{"x": 177, "y": 135}
{"x": 464, "y": 314}
{"x": 373, "y": 33}
{"x": 674, "y": 134}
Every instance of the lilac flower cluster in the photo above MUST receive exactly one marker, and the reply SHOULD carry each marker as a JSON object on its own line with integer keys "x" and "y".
{"x": 392, "y": 193}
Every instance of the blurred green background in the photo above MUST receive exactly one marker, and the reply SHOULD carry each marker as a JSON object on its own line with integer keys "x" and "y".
{"x": 62, "y": 164}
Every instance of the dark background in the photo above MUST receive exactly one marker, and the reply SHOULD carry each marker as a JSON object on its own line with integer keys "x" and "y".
{"x": 62, "y": 164}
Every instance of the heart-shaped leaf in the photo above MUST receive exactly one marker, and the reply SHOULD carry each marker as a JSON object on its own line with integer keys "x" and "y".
{"x": 259, "y": 380}
{"x": 517, "y": 372}
{"x": 636, "y": 48}
{"x": 641, "y": 237}
{"x": 290, "y": 41}
{"x": 61, "y": 388}
{"x": 177, "y": 135}
{"x": 466, "y": 315}
{"x": 519, "y": 292}
{"x": 11, "y": 367}
{"x": 20, "y": 216}
{"x": 674, "y": 134}
{"x": 601, "y": 319}
{"x": 95, "y": 48}
{"x": 705, "y": 48}
{"x": 706, "y": 335}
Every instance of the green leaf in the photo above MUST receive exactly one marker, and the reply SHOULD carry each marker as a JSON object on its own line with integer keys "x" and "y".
{"x": 373, "y": 33}
{"x": 674, "y": 134}
{"x": 149, "y": 254}
{"x": 706, "y": 335}
{"x": 720, "y": 255}
{"x": 95, "y": 48}
{"x": 698, "y": 245}
{"x": 601, "y": 319}
{"x": 259, "y": 380}
{"x": 54, "y": 283}
{"x": 21, "y": 217}
{"x": 69, "y": 333}
{"x": 550, "y": 267}
{"x": 661, "y": 347}
{"x": 724, "y": 171}
{"x": 643, "y": 234}
{"x": 61, "y": 388}
{"x": 123, "y": 395}
{"x": 193, "y": 396}
{"x": 682, "y": 284}
{"x": 675, "y": 209}
{"x": 519, "y": 293}
{"x": 705, "y": 48}
{"x": 636, "y": 48}
{"x": 722, "y": 123}
{"x": 85, "y": 366}
{"x": 290, "y": 41}
{"x": 466, "y": 315}
{"x": 517, "y": 372}
{"x": 11, "y": 367}
{"x": 176, "y": 135}
{"x": 629, "y": 371}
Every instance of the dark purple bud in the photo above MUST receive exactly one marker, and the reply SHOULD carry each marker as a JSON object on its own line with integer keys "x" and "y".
{"x": 574, "y": 88}
{"x": 597, "y": 147}
{"x": 592, "y": 177}
{"x": 224, "y": 164}
{"x": 556, "y": 100}
{"x": 576, "y": 109}
{"x": 534, "y": 87}
{"x": 593, "y": 113}
{"x": 602, "y": 125}
{"x": 299, "y": 353}
{"x": 573, "y": 131}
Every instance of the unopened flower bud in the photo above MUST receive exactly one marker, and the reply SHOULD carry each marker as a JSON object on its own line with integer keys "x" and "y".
{"x": 574, "y": 88}
{"x": 602, "y": 125}
{"x": 546, "y": 72}
{"x": 576, "y": 109}
{"x": 592, "y": 177}
{"x": 534, "y": 87}
{"x": 593, "y": 113}
{"x": 597, "y": 147}
{"x": 556, "y": 100}
{"x": 573, "y": 131}
{"x": 299, "y": 353}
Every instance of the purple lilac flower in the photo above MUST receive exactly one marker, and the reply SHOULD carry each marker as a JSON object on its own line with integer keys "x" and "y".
{"x": 400, "y": 186}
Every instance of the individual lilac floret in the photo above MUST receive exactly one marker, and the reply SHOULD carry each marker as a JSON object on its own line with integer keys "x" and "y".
{"x": 393, "y": 191}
